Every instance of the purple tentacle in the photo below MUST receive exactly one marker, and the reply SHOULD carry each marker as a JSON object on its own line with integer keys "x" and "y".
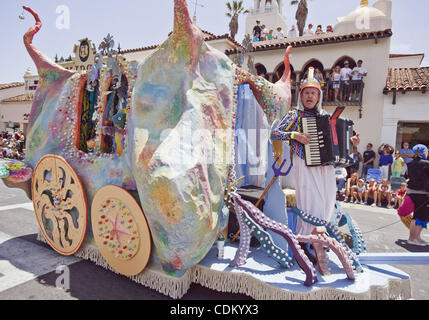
{"x": 286, "y": 233}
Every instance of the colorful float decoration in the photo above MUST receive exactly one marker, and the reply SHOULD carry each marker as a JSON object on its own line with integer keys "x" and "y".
{"x": 104, "y": 146}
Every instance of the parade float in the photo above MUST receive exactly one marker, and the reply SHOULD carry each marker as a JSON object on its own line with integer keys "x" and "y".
{"x": 135, "y": 167}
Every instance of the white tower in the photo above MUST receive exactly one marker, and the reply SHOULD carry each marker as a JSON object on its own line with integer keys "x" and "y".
{"x": 269, "y": 12}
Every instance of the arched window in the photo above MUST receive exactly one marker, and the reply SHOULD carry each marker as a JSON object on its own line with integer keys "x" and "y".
{"x": 318, "y": 68}
{"x": 340, "y": 62}
{"x": 280, "y": 69}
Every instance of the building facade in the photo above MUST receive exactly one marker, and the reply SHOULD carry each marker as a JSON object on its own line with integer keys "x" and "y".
{"x": 391, "y": 105}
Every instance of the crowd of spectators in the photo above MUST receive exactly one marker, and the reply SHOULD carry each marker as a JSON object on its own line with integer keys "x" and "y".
{"x": 364, "y": 189}
{"x": 261, "y": 33}
{"x": 12, "y": 145}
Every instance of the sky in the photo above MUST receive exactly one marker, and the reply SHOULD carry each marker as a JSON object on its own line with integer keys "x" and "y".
{"x": 140, "y": 23}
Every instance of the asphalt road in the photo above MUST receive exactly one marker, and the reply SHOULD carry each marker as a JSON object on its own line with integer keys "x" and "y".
{"x": 28, "y": 267}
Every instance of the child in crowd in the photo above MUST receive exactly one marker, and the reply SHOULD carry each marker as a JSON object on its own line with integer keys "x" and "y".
{"x": 270, "y": 35}
{"x": 400, "y": 195}
{"x": 386, "y": 159}
{"x": 385, "y": 193}
{"x": 341, "y": 176}
{"x": 358, "y": 191}
{"x": 398, "y": 165}
{"x": 371, "y": 193}
{"x": 351, "y": 182}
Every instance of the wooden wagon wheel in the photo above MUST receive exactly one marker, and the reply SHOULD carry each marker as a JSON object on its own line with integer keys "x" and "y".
{"x": 59, "y": 204}
{"x": 120, "y": 230}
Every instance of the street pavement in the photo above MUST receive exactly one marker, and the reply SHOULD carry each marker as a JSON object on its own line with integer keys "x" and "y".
{"x": 29, "y": 268}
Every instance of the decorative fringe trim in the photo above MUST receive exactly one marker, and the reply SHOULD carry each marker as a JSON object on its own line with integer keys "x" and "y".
{"x": 235, "y": 282}
{"x": 246, "y": 284}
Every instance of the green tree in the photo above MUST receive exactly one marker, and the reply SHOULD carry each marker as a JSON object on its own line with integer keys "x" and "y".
{"x": 235, "y": 8}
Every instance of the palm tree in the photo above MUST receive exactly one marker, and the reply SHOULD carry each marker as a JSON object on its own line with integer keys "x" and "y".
{"x": 235, "y": 8}
{"x": 301, "y": 14}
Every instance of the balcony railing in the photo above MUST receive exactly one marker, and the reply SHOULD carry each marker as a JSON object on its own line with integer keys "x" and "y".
{"x": 348, "y": 95}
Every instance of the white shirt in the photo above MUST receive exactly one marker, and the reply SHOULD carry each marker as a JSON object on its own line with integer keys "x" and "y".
{"x": 360, "y": 72}
{"x": 292, "y": 34}
{"x": 308, "y": 32}
{"x": 280, "y": 35}
{"x": 340, "y": 173}
{"x": 264, "y": 33}
{"x": 344, "y": 72}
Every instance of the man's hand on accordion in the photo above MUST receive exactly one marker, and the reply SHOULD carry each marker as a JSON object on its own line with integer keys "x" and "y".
{"x": 355, "y": 139}
{"x": 301, "y": 137}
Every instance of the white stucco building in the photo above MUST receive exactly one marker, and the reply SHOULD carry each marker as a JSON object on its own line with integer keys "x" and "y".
{"x": 391, "y": 108}
{"x": 15, "y": 102}
{"x": 382, "y": 115}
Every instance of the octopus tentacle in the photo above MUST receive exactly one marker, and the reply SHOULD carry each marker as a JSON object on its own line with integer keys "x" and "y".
{"x": 285, "y": 232}
{"x": 332, "y": 231}
{"x": 265, "y": 239}
{"x": 320, "y": 240}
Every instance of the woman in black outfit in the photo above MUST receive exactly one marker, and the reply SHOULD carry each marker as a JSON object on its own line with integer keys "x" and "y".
{"x": 418, "y": 191}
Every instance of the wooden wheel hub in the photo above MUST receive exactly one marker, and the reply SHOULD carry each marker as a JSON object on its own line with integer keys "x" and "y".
{"x": 59, "y": 204}
{"x": 120, "y": 230}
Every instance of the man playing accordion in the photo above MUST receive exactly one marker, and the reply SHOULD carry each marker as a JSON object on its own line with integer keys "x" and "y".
{"x": 315, "y": 185}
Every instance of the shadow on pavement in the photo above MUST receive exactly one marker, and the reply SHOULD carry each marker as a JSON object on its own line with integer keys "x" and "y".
{"x": 411, "y": 248}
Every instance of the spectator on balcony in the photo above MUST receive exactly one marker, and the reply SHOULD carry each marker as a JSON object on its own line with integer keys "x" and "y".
{"x": 319, "y": 30}
{"x": 358, "y": 73}
{"x": 257, "y": 29}
{"x": 309, "y": 31}
{"x": 368, "y": 160}
{"x": 256, "y": 37}
{"x": 292, "y": 32}
{"x": 264, "y": 33}
{"x": 386, "y": 159}
{"x": 270, "y": 35}
{"x": 279, "y": 35}
{"x": 329, "y": 29}
{"x": 336, "y": 82}
{"x": 346, "y": 75}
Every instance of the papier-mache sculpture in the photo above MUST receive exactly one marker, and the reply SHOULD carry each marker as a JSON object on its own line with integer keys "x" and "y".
{"x": 184, "y": 86}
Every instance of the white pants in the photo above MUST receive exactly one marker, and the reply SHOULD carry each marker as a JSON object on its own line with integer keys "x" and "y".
{"x": 315, "y": 192}
{"x": 384, "y": 172}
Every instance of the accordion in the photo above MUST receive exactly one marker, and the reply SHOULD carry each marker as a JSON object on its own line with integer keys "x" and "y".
{"x": 330, "y": 140}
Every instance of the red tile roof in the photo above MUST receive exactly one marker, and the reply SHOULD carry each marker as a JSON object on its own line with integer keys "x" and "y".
{"x": 11, "y": 85}
{"x": 407, "y": 79}
{"x": 314, "y": 41}
{"x": 208, "y": 36}
{"x": 20, "y": 98}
